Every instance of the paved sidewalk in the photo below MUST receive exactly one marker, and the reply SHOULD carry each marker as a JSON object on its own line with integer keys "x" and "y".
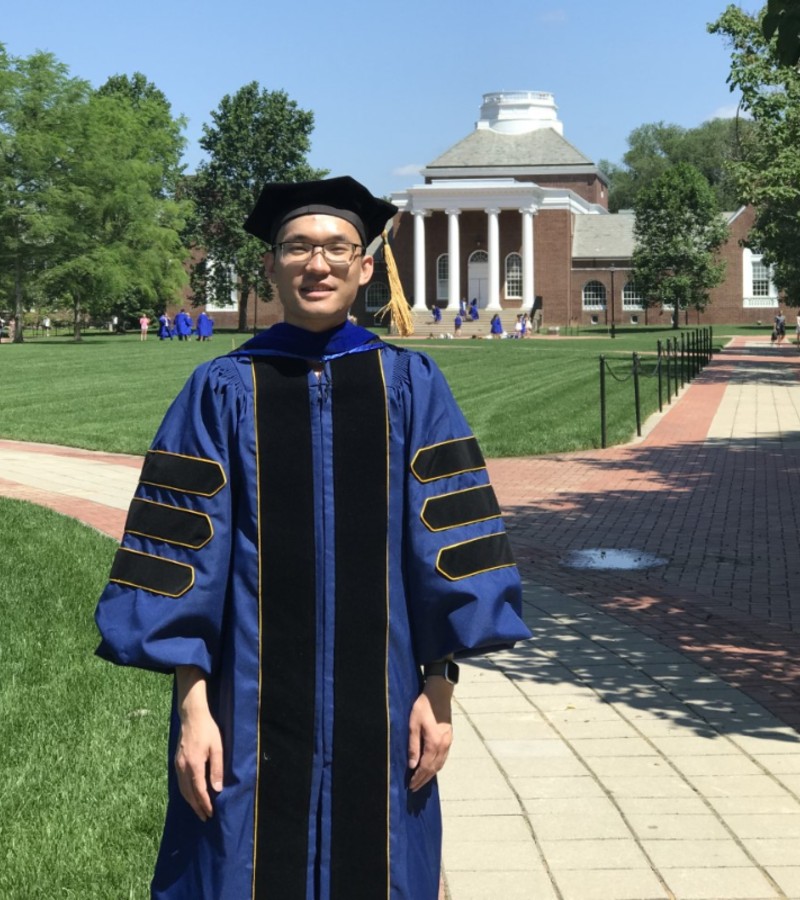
{"x": 642, "y": 744}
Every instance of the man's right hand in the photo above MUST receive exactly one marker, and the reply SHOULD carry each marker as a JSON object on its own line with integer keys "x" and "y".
{"x": 198, "y": 758}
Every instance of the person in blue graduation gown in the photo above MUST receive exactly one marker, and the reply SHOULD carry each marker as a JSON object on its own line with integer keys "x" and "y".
{"x": 163, "y": 327}
{"x": 312, "y": 542}
{"x": 183, "y": 325}
{"x": 205, "y": 327}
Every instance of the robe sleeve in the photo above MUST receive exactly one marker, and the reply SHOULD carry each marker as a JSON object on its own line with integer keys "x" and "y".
{"x": 464, "y": 590}
{"x": 164, "y": 604}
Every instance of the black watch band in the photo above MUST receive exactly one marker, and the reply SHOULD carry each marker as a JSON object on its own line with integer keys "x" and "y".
{"x": 446, "y": 668}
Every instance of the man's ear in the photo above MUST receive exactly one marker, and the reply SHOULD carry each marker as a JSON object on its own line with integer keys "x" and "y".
{"x": 367, "y": 268}
{"x": 269, "y": 262}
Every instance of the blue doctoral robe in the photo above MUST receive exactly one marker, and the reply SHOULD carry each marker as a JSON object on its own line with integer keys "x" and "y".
{"x": 309, "y": 543}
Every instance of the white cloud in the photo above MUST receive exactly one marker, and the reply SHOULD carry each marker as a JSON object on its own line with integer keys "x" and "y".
{"x": 729, "y": 112}
{"x": 408, "y": 170}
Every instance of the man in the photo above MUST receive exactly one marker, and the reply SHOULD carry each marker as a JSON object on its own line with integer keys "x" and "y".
{"x": 313, "y": 540}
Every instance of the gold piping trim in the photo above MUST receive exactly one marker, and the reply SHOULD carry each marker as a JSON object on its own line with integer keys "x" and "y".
{"x": 386, "y": 638}
{"x": 477, "y": 571}
{"x": 190, "y": 512}
{"x": 258, "y": 702}
{"x": 150, "y": 590}
{"x": 171, "y": 487}
{"x": 457, "y": 524}
{"x": 448, "y": 474}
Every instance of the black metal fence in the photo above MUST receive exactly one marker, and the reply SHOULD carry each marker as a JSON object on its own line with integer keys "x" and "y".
{"x": 677, "y": 362}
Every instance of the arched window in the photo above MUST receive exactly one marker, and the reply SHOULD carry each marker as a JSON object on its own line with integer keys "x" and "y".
{"x": 479, "y": 256}
{"x": 442, "y": 276}
{"x": 631, "y": 298}
{"x": 514, "y": 275}
{"x": 377, "y": 296}
{"x": 594, "y": 295}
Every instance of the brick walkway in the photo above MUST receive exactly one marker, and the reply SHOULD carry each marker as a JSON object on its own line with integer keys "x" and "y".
{"x": 712, "y": 489}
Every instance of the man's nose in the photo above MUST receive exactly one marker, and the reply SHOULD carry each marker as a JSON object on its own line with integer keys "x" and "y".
{"x": 317, "y": 260}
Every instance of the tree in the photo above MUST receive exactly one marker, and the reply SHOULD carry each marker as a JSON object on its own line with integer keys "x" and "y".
{"x": 257, "y": 136}
{"x": 121, "y": 241}
{"x": 86, "y": 182}
{"x": 654, "y": 147}
{"x": 782, "y": 21}
{"x": 678, "y": 230}
{"x": 39, "y": 104}
{"x": 768, "y": 175}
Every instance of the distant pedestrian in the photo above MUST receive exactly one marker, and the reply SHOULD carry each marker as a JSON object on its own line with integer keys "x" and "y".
{"x": 205, "y": 327}
{"x": 437, "y": 314}
{"x": 46, "y": 326}
{"x": 183, "y": 325}
{"x": 144, "y": 323}
{"x": 473, "y": 309}
{"x": 780, "y": 326}
{"x": 458, "y": 322}
{"x": 797, "y": 331}
{"x": 164, "y": 330}
{"x": 496, "y": 326}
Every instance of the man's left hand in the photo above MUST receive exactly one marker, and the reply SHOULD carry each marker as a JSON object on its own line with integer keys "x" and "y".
{"x": 430, "y": 731}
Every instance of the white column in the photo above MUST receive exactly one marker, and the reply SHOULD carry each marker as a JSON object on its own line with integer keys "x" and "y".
{"x": 528, "y": 287}
{"x": 419, "y": 260}
{"x": 453, "y": 260}
{"x": 494, "y": 260}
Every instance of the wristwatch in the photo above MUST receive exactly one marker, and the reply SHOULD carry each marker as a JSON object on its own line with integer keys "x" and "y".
{"x": 446, "y": 668}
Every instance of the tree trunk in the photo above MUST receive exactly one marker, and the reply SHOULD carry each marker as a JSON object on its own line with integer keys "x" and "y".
{"x": 18, "y": 309}
{"x": 76, "y": 322}
{"x": 244, "y": 294}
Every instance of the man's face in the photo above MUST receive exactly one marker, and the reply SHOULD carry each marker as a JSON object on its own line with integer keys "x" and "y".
{"x": 316, "y": 294}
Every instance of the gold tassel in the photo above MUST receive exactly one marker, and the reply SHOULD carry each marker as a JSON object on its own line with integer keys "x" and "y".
{"x": 397, "y": 307}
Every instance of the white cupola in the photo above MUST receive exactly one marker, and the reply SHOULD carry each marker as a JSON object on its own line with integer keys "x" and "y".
{"x": 518, "y": 112}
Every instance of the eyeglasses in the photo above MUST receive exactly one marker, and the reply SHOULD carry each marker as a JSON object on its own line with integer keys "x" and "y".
{"x": 335, "y": 253}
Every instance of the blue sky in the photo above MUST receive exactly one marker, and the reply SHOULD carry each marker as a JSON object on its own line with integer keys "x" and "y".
{"x": 394, "y": 84}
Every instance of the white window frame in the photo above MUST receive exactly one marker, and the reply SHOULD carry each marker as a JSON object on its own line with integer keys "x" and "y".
{"x": 631, "y": 299}
{"x": 233, "y": 306}
{"x": 751, "y": 300}
{"x": 443, "y": 277}
{"x": 514, "y": 276}
{"x": 588, "y": 300}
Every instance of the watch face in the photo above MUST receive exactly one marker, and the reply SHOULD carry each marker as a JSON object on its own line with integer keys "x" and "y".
{"x": 452, "y": 673}
{"x": 447, "y": 669}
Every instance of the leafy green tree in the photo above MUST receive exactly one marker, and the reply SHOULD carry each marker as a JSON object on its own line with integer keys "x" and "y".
{"x": 782, "y": 21}
{"x": 654, "y": 147}
{"x": 87, "y": 216}
{"x": 678, "y": 230}
{"x": 768, "y": 175}
{"x": 256, "y": 136}
{"x": 39, "y": 105}
{"x": 122, "y": 249}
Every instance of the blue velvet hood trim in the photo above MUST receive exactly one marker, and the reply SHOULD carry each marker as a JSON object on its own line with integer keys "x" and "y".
{"x": 289, "y": 340}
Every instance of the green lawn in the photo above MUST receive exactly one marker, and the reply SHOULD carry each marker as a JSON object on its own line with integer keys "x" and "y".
{"x": 521, "y": 397}
{"x": 83, "y": 742}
